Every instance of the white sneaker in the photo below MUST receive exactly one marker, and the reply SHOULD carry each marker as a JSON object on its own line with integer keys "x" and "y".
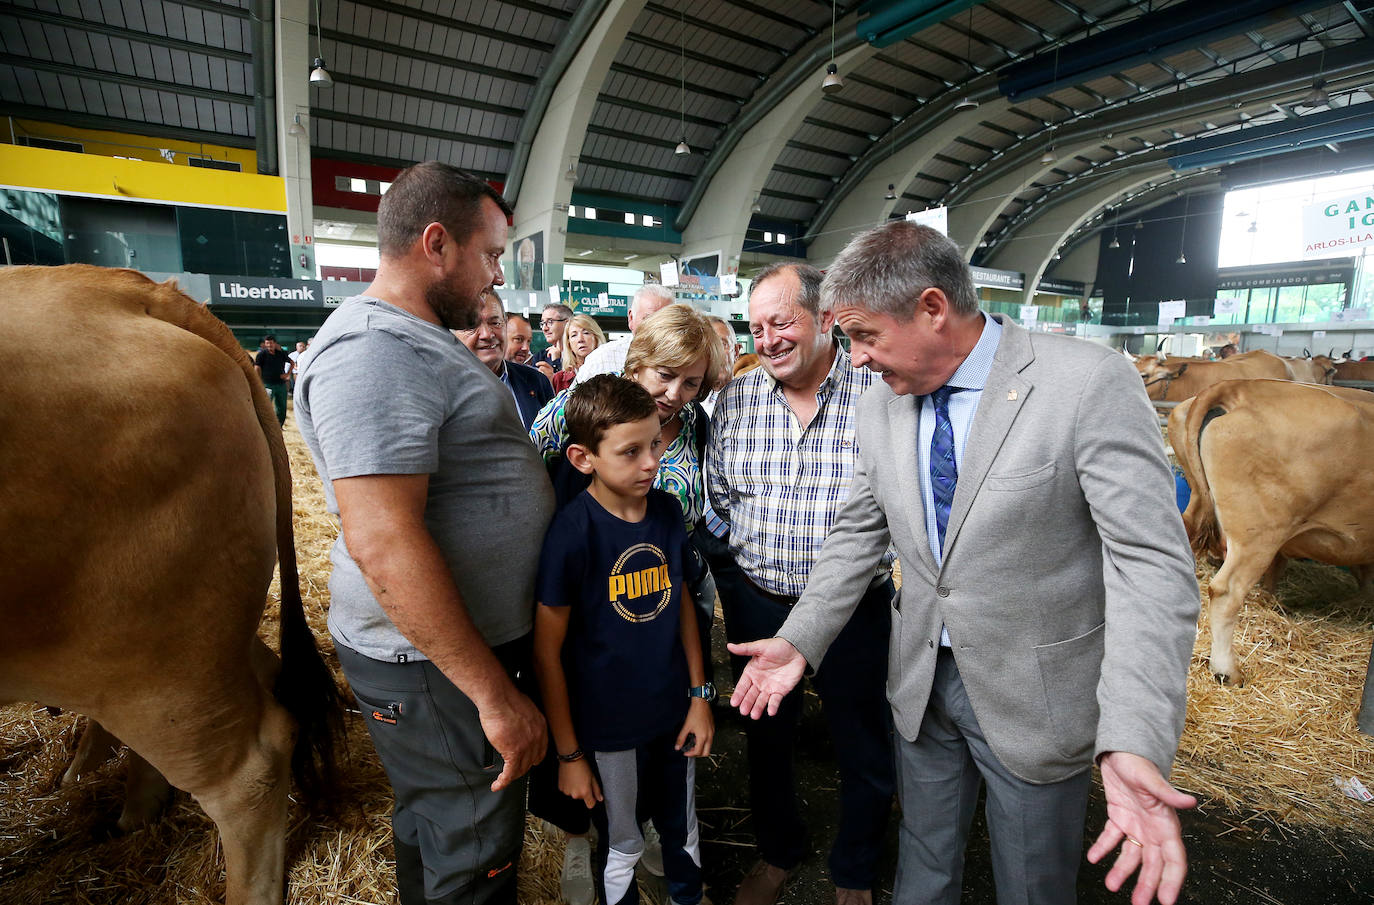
{"x": 652, "y": 859}
{"x": 576, "y": 882}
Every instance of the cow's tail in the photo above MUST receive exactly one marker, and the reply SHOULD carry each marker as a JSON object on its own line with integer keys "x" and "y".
{"x": 304, "y": 686}
{"x": 1200, "y": 518}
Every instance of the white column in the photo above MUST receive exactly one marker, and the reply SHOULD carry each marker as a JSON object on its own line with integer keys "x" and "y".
{"x": 294, "y": 52}
{"x": 545, "y": 191}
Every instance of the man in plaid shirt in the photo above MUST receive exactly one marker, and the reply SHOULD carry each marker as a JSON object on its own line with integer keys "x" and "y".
{"x": 778, "y": 471}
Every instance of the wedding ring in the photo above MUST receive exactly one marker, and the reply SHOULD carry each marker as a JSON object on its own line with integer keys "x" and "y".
{"x": 1135, "y": 841}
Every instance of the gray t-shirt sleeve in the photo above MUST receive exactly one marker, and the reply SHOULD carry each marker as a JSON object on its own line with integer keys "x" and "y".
{"x": 363, "y": 425}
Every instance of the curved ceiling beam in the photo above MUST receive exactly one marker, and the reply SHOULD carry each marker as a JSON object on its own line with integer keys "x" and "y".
{"x": 1145, "y": 201}
{"x": 725, "y": 212}
{"x": 1031, "y": 254}
{"x": 1071, "y": 188}
{"x": 800, "y": 73}
{"x": 977, "y": 203}
{"x": 857, "y": 200}
{"x": 579, "y": 27}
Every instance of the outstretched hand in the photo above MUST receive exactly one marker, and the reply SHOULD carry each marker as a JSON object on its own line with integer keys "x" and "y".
{"x": 1141, "y": 818}
{"x": 774, "y": 669}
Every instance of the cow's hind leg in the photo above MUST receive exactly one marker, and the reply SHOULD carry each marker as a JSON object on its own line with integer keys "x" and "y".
{"x": 249, "y": 803}
{"x": 231, "y": 750}
{"x": 1243, "y": 567}
{"x": 93, "y": 749}
{"x": 146, "y": 791}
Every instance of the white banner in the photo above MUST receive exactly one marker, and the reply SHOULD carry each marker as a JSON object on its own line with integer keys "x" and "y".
{"x": 667, "y": 272}
{"x": 1229, "y": 305}
{"x": 1338, "y": 225}
{"x": 1347, "y": 315}
{"x": 1171, "y": 311}
{"x": 728, "y": 284}
{"x": 1030, "y": 314}
{"x": 936, "y": 218}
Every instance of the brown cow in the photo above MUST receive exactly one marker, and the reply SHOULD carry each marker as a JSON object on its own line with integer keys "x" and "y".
{"x": 147, "y": 498}
{"x": 1354, "y": 370}
{"x": 1312, "y": 368}
{"x": 1173, "y": 380}
{"x": 1278, "y": 469}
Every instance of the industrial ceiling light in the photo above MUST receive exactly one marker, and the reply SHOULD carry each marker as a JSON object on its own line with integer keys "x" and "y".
{"x": 1317, "y": 97}
{"x": 318, "y": 74}
{"x": 966, "y": 102}
{"x": 1048, "y": 157}
{"x": 891, "y": 192}
{"x": 1183, "y": 233}
{"x": 832, "y": 82}
{"x": 1116, "y": 222}
{"x": 296, "y": 128}
{"x": 757, "y": 208}
{"x": 682, "y": 146}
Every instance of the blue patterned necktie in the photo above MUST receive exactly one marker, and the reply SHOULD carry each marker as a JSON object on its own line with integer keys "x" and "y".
{"x": 944, "y": 473}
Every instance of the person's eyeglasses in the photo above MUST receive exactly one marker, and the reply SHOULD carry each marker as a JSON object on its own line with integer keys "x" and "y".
{"x": 545, "y": 321}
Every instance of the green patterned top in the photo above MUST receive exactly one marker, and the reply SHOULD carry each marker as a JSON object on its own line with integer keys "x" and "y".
{"x": 679, "y": 470}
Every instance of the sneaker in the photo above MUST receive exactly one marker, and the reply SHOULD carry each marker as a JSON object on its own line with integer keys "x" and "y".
{"x": 576, "y": 883}
{"x": 652, "y": 859}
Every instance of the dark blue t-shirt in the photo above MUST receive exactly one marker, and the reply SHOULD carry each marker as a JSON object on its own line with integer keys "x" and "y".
{"x": 623, "y": 657}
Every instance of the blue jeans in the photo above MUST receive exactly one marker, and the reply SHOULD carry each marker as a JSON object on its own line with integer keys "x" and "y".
{"x": 852, "y": 686}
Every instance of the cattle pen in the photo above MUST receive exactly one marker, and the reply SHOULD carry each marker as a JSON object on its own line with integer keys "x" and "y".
{"x": 1264, "y": 759}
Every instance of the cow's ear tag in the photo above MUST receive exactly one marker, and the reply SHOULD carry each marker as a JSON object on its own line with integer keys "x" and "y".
{"x": 1011, "y": 395}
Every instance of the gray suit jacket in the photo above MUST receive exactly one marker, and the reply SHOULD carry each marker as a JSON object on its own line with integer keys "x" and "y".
{"x": 1067, "y": 586}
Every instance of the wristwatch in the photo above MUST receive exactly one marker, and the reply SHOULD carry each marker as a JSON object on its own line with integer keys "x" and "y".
{"x": 706, "y": 692}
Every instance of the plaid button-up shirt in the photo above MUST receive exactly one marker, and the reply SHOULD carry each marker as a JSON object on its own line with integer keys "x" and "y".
{"x": 780, "y": 486}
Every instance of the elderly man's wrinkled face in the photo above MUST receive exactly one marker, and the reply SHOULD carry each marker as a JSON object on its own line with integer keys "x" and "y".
{"x": 488, "y": 339}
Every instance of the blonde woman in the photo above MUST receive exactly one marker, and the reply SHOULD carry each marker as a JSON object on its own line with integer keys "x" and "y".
{"x": 582, "y": 335}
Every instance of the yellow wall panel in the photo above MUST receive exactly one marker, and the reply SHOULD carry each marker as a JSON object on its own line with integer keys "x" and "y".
{"x": 125, "y": 144}
{"x": 65, "y": 172}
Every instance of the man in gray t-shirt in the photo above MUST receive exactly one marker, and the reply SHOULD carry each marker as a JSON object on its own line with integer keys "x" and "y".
{"x": 443, "y": 504}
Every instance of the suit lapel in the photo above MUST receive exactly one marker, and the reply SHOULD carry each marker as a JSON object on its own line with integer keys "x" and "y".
{"x": 903, "y": 418}
{"x": 1003, "y": 396}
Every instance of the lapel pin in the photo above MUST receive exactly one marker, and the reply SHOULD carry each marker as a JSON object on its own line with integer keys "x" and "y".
{"x": 1011, "y": 395}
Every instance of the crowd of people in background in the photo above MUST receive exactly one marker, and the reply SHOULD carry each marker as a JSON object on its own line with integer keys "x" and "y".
{"x": 532, "y": 549}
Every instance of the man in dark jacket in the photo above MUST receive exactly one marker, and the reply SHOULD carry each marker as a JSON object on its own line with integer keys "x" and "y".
{"x": 488, "y": 342}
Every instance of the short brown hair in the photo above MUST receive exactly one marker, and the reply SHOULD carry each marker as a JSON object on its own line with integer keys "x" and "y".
{"x": 600, "y": 403}
{"x": 676, "y": 337}
{"x": 431, "y": 192}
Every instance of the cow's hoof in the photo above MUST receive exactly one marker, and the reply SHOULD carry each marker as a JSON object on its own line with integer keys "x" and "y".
{"x": 1231, "y": 680}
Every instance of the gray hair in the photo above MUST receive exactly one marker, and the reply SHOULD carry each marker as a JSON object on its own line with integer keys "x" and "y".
{"x": 808, "y": 277}
{"x": 648, "y": 299}
{"x": 885, "y": 270}
{"x": 654, "y": 291}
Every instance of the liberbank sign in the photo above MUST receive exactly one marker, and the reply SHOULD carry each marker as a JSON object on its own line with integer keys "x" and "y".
{"x": 1338, "y": 225}
{"x": 266, "y": 292}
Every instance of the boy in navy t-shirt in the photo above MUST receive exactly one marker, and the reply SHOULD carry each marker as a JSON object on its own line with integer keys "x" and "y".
{"x": 616, "y": 646}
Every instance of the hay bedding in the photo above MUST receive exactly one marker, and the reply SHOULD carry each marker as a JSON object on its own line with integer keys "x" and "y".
{"x": 1276, "y": 745}
{"x": 1273, "y": 747}
{"x": 56, "y": 844}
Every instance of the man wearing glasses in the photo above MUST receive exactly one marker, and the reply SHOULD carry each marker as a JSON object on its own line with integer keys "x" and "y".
{"x": 553, "y": 321}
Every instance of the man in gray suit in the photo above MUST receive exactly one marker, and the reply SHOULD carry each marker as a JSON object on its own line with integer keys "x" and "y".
{"x": 1048, "y": 606}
